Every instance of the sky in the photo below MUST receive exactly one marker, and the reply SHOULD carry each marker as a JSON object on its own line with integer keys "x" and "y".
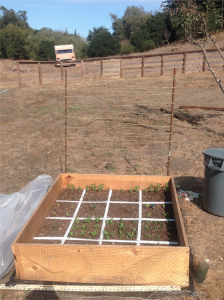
{"x": 81, "y": 15}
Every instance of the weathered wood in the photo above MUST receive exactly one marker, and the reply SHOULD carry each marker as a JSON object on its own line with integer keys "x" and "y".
{"x": 184, "y": 62}
{"x": 179, "y": 117}
{"x": 18, "y": 74}
{"x": 40, "y": 74}
{"x": 143, "y": 66}
{"x": 161, "y": 64}
{"x": 204, "y": 64}
{"x": 101, "y": 69}
{"x": 82, "y": 70}
{"x": 121, "y": 68}
{"x": 202, "y": 107}
{"x": 62, "y": 73}
{"x": 133, "y": 68}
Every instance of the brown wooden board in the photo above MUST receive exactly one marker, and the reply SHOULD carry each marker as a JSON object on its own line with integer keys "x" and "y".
{"x": 108, "y": 264}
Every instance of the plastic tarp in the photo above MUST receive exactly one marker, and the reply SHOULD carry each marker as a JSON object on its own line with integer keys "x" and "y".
{"x": 15, "y": 210}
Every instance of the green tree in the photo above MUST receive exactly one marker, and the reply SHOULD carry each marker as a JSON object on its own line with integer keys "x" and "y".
{"x": 103, "y": 44}
{"x": 95, "y": 31}
{"x": 45, "y": 51}
{"x": 11, "y": 17}
{"x": 132, "y": 20}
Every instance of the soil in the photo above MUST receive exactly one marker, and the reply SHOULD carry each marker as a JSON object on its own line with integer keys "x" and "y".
{"x": 92, "y": 210}
{"x": 124, "y": 196}
{"x": 158, "y": 211}
{"x": 96, "y": 196}
{"x": 128, "y": 228}
{"x": 70, "y": 195}
{"x": 156, "y": 197}
{"x": 55, "y": 228}
{"x": 63, "y": 209}
{"x": 123, "y": 211}
{"x": 85, "y": 228}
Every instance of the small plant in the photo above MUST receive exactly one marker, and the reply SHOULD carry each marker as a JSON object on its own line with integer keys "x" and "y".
{"x": 87, "y": 188}
{"x": 71, "y": 205}
{"x": 145, "y": 191}
{"x": 147, "y": 205}
{"x": 158, "y": 237}
{"x": 79, "y": 188}
{"x": 107, "y": 190}
{"x": 136, "y": 189}
{"x": 93, "y": 187}
{"x": 72, "y": 187}
{"x": 82, "y": 232}
{"x": 151, "y": 188}
{"x": 148, "y": 235}
{"x": 75, "y": 227}
{"x": 93, "y": 233}
{"x": 120, "y": 233}
{"x": 76, "y": 221}
{"x": 122, "y": 190}
{"x": 133, "y": 222}
{"x": 146, "y": 227}
{"x": 121, "y": 225}
{"x": 54, "y": 212}
{"x": 156, "y": 228}
{"x": 87, "y": 220}
{"x": 84, "y": 227}
{"x": 96, "y": 226}
{"x": 166, "y": 186}
{"x": 164, "y": 205}
{"x": 116, "y": 198}
{"x": 100, "y": 187}
{"x": 93, "y": 207}
{"x": 108, "y": 234}
{"x": 68, "y": 187}
{"x": 109, "y": 221}
{"x": 58, "y": 204}
{"x": 131, "y": 190}
{"x": 132, "y": 234}
{"x": 149, "y": 214}
{"x": 165, "y": 214}
{"x": 97, "y": 220}
{"x": 67, "y": 214}
{"x": 147, "y": 222}
{"x": 158, "y": 187}
{"x": 72, "y": 233}
{"x": 54, "y": 227}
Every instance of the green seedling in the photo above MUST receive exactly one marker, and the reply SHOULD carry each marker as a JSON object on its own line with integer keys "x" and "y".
{"x": 147, "y": 222}
{"x": 87, "y": 188}
{"x": 122, "y": 190}
{"x": 75, "y": 227}
{"x": 68, "y": 187}
{"x": 82, "y": 232}
{"x": 93, "y": 233}
{"x": 67, "y": 214}
{"x": 133, "y": 222}
{"x": 109, "y": 221}
{"x": 71, "y": 205}
{"x": 54, "y": 212}
{"x": 149, "y": 214}
{"x": 158, "y": 187}
{"x": 147, "y": 205}
{"x": 79, "y": 188}
{"x": 120, "y": 233}
{"x": 93, "y": 207}
{"x": 121, "y": 226}
{"x": 156, "y": 228}
{"x": 93, "y": 187}
{"x": 76, "y": 221}
{"x": 158, "y": 237}
{"x": 165, "y": 214}
{"x": 84, "y": 227}
{"x": 58, "y": 204}
{"x": 146, "y": 227}
{"x": 72, "y": 188}
{"x": 107, "y": 190}
{"x": 87, "y": 220}
{"x": 108, "y": 234}
{"x": 97, "y": 220}
{"x": 116, "y": 198}
{"x": 161, "y": 228}
{"x": 54, "y": 227}
{"x": 131, "y": 190}
{"x": 136, "y": 189}
{"x": 155, "y": 222}
{"x": 145, "y": 191}
{"x": 121, "y": 220}
{"x": 166, "y": 186}
{"x": 100, "y": 187}
{"x": 96, "y": 226}
{"x": 151, "y": 188}
{"x": 164, "y": 205}
{"x": 148, "y": 235}
{"x": 131, "y": 235}
{"x": 72, "y": 233}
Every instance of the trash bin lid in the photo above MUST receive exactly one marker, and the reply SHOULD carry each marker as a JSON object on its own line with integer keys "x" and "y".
{"x": 216, "y": 153}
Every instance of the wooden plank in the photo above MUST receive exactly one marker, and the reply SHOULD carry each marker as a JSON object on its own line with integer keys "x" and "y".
{"x": 101, "y": 69}
{"x": 143, "y": 66}
{"x": 133, "y": 68}
{"x": 202, "y": 107}
{"x": 18, "y": 74}
{"x": 62, "y": 73}
{"x": 82, "y": 70}
{"x": 40, "y": 74}
{"x": 204, "y": 64}
{"x": 162, "y": 63}
{"x": 121, "y": 68}
{"x": 34, "y": 222}
{"x": 184, "y": 62}
{"x": 104, "y": 264}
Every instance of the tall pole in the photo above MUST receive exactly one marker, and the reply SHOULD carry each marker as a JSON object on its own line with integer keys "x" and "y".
{"x": 66, "y": 121}
{"x": 171, "y": 120}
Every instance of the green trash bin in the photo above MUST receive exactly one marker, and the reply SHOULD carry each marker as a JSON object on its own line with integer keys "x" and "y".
{"x": 213, "y": 200}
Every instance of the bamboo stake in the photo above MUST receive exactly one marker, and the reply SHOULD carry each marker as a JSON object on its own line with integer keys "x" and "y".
{"x": 18, "y": 74}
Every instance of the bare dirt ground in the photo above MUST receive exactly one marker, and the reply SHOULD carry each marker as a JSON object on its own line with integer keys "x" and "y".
{"x": 116, "y": 127}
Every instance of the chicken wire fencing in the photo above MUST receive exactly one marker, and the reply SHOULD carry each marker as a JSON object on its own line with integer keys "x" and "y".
{"x": 119, "y": 129}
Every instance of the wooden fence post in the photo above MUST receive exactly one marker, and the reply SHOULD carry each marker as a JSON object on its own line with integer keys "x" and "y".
{"x": 121, "y": 68}
{"x": 204, "y": 60}
{"x": 101, "y": 66}
{"x": 161, "y": 64}
{"x": 40, "y": 74}
{"x": 18, "y": 74}
{"x": 62, "y": 72}
{"x": 143, "y": 66}
{"x": 184, "y": 63}
{"x": 82, "y": 70}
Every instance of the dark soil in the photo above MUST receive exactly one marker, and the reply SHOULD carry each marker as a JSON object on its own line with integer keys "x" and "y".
{"x": 92, "y": 210}
{"x": 156, "y": 197}
{"x": 124, "y": 196}
{"x": 96, "y": 196}
{"x": 159, "y": 231}
{"x": 123, "y": 211}
{"x": 70, "y": 195}
{"x": 53, "y": 228}
{"x": 81, "y": 229}
{"x": 160, "y": 211}
{"x": 125, "y": 233}
{"x": 63, "y": 209}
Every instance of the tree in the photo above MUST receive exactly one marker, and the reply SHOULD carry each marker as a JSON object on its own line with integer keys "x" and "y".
{"x": 134, "y": 17}
{"x": 45, "y": 51}
{"x": 95, "y": 31}
{"x": 11, "y": 17}
{"x": 103, "y": 44}
{"x": 197, "y": 24}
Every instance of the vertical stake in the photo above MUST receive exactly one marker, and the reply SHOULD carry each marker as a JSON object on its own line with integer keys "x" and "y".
{"x": 101, "y": 68}
{"x": 184, "y": 62}
{"x": 121, "y": 68}
{"x": 82, "y": 70}
{"x": 203, "y": 67}
{"x": 143, "y": 66}
{"x": 65, "y": 121}
{"x": 18, "y": 74}
{"x": 62, "y": 73}
{"x": 161, "y": 64}
{"x": 171, "y": 119}
{"x": 40, "y": 74}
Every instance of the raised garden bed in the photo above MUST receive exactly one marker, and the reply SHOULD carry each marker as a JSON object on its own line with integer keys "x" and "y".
{"x": 121, "y": 229}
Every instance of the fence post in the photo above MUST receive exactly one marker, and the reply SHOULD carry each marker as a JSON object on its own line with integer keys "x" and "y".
{"x": 82, "y": 70}
{"x": 171, "y": 119}
{"x": 40, "y": 74}
{"x": 143, "y": 65}
{"x": 121, "y": 68}
{"x": 184, "y": 62}
{"x": 66, "y": 121}
{"x": 101, "y": 66}
{"x": 161, "y": 64}
{"x": 18, "y": 74}
{"x": 204, "y": 60}
{"x": 62, "y": 73}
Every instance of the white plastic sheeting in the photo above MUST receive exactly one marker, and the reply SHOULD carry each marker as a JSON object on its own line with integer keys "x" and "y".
{"x": 15, "y": 210}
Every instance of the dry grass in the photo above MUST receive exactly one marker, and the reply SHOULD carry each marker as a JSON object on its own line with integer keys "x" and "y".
{"x": 32, "y": 141}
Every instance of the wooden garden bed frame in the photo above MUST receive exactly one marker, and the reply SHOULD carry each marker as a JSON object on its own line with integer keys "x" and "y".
{"x": 101, "y": 264}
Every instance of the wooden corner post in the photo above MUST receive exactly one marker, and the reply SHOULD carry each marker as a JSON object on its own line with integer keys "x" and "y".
{"x": 161, "y": 64}
{"x": 82, "y": 70}
{"x": 143, "y": 66}
{"x": 101, "y": 68}
{"x": 184, "y": 63}
{"x": 171, "y": 119}
{"x": 40, "y": 74}
{"x": 121, "y": 68}
{"x": 62, "y": 73}
{"x": 18, "y": 74}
